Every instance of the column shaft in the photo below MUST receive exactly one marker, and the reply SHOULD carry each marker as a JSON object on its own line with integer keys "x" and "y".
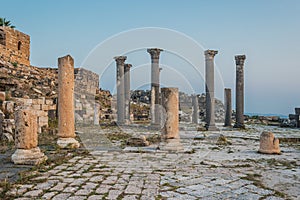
{"x": 228, "y": 107}
{"x": 127, "y": 91}
{"x": 209, "y": 82}
{"x": 195, "y": 114}
{"x": 120, "y": 89}
{"x": 171, "y": 106}
{"x": 66, "y": 122}
{"x": 155, "y": 84}
{"x": 239, "y": 123}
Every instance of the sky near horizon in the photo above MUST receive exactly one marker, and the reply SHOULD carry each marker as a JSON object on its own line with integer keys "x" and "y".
{"x": 267, "y": 32}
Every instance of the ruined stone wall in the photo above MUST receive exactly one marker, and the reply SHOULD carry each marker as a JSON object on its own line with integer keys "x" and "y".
{"x": 86, "y": 86}
{"x": 14, "y": 46}
{"x": 41, "y": 108}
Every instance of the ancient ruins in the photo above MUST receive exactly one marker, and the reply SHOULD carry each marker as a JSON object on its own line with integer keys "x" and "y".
{"x": 160, "y": 143}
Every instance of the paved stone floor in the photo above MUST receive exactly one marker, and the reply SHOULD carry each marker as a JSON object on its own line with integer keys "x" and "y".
{"x": 202, "y": 169}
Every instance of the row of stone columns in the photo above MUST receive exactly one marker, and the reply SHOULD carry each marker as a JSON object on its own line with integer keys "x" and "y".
{"x": 123, "y": 90}
{"x": 210, "y": 101}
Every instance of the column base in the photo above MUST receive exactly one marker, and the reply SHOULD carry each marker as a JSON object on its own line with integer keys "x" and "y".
{"x": 68, "y": 143}
{"x": 32, "y": 156}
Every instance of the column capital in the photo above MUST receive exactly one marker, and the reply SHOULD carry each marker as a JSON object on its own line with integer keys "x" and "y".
{"x": 154, "y": 52}
{"x": 127, "y": 66}
{"x": 210, "y": 54}
{"x": 240, "y": 59}
{"x": 120, "y": 59}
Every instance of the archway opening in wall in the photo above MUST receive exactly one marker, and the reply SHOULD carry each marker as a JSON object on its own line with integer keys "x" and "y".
{"x": 2, "y": 37}
{"x": 19, "y": 45}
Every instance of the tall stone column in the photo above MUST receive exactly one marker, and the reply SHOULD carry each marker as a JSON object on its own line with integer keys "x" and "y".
{"x": 127, "y": 91}
{"x": 171, "y": 105}
{"x": 66, "y": 112}
{"x": 26, "y": 139}
{"x": 239, "y": 102}
{"x": 210, "y": 94}
{"x": 195, "y": 105}
{"x": 96, "y": 114}
{"x": 228, "y": 107}
{"x": 155, "y": 114}
{"x": 120, "y": 62}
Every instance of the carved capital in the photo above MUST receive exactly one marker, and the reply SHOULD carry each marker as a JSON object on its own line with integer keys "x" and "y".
{"x": 127, "y": 67}
{"x": 210, "y": 54}
{"x": 154, "y": 52}
{"x": 120, "y": 59}
{"x": 240, "y": 59}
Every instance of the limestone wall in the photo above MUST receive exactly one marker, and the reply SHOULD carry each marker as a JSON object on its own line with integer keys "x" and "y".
{"x": 14, "y": 46}
{"x": 86, "y": 85}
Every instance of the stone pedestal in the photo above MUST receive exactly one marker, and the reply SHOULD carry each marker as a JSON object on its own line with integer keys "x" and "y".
{"x": 228, "y": 107}
{"x": 195, "y": 113}
{"x": 155, "y": 114}
{"x": 26, "y": 139}
{"x": 268, "y": 143}
{"x": 66, "y": 113}
{"x": 210, "y": 94}
{"x": 127, "y": 92}
{"x": 239, "y": 102}
{"x": 171, "y": 106}
{"x": 120, "y": 62}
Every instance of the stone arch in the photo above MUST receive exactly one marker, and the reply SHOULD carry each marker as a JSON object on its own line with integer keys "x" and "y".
{"x": 2, "y": 37}
{"x": 19, "y": 45}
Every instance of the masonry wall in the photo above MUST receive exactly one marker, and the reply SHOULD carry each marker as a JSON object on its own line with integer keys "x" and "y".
{"x": 14, "y": 46}
{"x": 86, "y": 85}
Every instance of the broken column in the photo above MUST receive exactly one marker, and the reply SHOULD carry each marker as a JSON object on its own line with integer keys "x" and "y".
{"x": 96, "y": 114}
{"x": 120, "y": 89}
{"x": 26, "y": 139}
{"x": 195, "y": 108}
{"x": 127, "y": 91}
{"x": 155, "y": 114}
{"x": 268, "y": 143}
{"x": 210, "y": 96}
{"x": 171, "y": 106}
{"x": 239, "y": 102}
{"x": 66, "y": 117}
{"x": 228, "y": 107}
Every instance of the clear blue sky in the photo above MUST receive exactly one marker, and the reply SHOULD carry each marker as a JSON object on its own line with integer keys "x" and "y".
{"x": 268, "y": 32}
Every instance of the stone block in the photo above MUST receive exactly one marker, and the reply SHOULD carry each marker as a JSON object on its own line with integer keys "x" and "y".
{"x": 2, "y": 96}
{"x": 268, "y": 143}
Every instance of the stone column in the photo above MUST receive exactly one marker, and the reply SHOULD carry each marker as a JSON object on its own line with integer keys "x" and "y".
{"x": 171, "y": 105}
{"x": 1, "y": 123}
{"x": 66, "y": 113}
{"x": 239, "y": 102}
{"x": 297, "y": 112}
{"x": 210, "y": 97}
{"x": 228, "y": 107}
{"x": 26, "y": 139}
{"x": 120, "y": 89}
{"x": 127, "y": 92}
{"x": 195, "y": 106}
{"x": 155, "y": 114}
{"x": 96, "y": 114}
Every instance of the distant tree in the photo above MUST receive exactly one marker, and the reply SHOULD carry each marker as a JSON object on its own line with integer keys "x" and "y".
{"x": 4, "y": 22}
